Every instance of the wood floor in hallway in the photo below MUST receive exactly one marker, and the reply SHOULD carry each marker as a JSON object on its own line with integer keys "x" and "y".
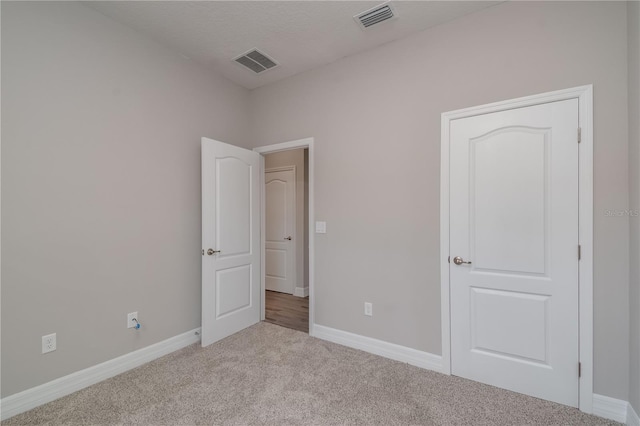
{"x": 287, "y": 310}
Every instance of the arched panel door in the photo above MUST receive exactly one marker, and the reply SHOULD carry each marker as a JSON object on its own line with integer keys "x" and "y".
{"x": 230, "y": 239}
{"x": 514, "y": 249}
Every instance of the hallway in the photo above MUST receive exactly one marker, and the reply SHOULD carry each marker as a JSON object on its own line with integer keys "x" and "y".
{"x": 287, "y": 311}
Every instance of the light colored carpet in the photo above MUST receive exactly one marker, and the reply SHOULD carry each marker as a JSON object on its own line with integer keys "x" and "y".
{"x": 269, "y": 375}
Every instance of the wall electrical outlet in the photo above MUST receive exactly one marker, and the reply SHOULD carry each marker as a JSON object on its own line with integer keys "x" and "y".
{"x": 368, "y": 309}
{"x": 48, "y": 343}
{"x": 130, "y": 322}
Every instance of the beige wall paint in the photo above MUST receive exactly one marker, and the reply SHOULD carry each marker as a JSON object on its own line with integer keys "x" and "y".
{"x": 101, "y": 172}
{"x": 375, "y": 118}
{"x": 101, "y": 213}
{"x": 295, "y": 157}
{"x": 633, "y": 28}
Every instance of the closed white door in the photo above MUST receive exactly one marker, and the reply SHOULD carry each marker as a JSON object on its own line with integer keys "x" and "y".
{"x": 514, "y": 224}
{"x": 280, "y": 256}
{"x": 230, "y": 239}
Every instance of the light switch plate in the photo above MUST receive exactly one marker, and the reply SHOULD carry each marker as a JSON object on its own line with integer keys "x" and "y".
{"x": 368, "y": 309}
{"x": 321, "y": 227}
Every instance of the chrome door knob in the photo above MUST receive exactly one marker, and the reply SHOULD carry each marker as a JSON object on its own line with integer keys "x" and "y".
{"x": 459, "y": 261}
{"x": 288, "y": 238}
{"x": 211, "y": 252}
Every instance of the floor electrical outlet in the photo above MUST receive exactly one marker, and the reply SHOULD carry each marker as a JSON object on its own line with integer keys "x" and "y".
{"x": 368, "y": 309}
{"x": 132, "y": 319}
{"x": 48, "y": 343}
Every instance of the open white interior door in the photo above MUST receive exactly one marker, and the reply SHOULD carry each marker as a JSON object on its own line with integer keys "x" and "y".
{"x": 230, "y": 239}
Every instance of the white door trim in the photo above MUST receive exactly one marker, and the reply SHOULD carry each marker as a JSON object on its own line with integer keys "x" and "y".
{"x": 584, "y": 94}
{"x": 286, "y": 146}
{"x": 280, "y": 169}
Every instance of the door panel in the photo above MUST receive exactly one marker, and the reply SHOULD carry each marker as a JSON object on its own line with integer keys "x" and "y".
{"x": 514, "y": 216}
{"x": 233, "y": 207}
{"x": 521, "y": 318}
{"x": 231, "y": 229}
{"x": 276, "y": 205}
{"x": 500, "y": 204}
{"x": 233, "y": 290}
{"x": 280, "y": 261}
{"x": 276, "y": 266}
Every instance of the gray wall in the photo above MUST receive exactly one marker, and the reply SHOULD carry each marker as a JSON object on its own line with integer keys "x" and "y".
{"x": 296, "y": 157}
{"x": 100, "y": 187}
{"x": 101, "y": 175}
{"x": 634, "y": 198}
{"x": 376, "y": 121}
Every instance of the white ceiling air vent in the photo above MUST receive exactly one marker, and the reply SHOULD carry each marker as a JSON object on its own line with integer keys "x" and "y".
{"x": 375, "y": 15}
{"x": 256, "y": 61}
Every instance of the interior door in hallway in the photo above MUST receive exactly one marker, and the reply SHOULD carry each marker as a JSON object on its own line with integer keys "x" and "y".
{"x": 280, "y": 256}
{"x": 514, "y": 249}
{"x": 230, "y": 239}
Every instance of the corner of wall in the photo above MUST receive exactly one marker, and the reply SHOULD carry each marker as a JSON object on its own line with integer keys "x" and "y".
{"x": 633, "y": 56}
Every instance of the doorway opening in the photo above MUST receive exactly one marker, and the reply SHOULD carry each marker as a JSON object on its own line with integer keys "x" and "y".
{"x": 287, "y": 241}
{"x": 286, "y": 245}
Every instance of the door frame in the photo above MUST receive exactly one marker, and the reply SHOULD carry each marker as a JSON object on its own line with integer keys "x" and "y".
{"x": 307, "y": 143}
{"x": 584, "y": 95}
{"x": 295, "y": 220}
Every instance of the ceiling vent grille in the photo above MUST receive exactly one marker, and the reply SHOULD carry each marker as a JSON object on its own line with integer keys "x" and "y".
{"x": 256, "y": 61}
{"x": 381, "y": 13}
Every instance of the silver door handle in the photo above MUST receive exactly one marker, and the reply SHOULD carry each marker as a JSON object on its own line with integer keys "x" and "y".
{"x": 288, "y": 238}
{"x": 211, "y": 251}
{"x": 459, "y": 261}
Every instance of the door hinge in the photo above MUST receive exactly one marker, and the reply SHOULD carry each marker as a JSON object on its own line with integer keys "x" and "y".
{"x": 579, "y": 369}
{"x": 579, "y": 134}
{"x": 579, "y": 252}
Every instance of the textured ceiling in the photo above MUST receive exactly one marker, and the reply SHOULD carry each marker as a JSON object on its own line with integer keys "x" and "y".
{"x": 299, "y": 35}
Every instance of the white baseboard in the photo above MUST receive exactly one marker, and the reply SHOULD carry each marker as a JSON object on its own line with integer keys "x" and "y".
{"x": 610, "y": 408}
{"x": 34, "y": 397}
{"x": 301, "y": 291}
{"x": 603, "y": 406}
{"x": 379, "y": 347}
{"x": 632, "y": 417}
